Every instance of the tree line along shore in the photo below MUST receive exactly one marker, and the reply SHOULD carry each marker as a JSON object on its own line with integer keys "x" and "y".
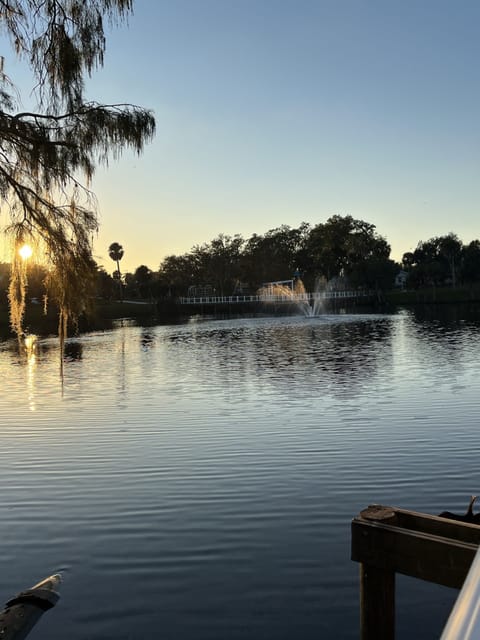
{"x": 343, "y": 251}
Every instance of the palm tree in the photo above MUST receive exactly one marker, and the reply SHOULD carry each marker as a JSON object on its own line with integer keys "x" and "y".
{"x": 115, "y": 251}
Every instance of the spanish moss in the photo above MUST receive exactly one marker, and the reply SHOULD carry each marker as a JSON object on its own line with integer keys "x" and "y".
{"x": 48, "y": 155}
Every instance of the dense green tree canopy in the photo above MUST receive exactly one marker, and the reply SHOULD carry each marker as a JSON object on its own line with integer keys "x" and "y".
{"x": 177, "y": 273}
{"x": 142, "y": 279}
{"x": 45, "y": 150}
{"x": 435, "y": 261}
{"x": 471, "y": 262}
{"x": 340, "y": 246}
{"x": 443, "y": 260}
{"x": 278, "y": 251}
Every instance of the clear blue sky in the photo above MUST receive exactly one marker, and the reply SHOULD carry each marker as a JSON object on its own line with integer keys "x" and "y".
{"x": 275, "y": 112}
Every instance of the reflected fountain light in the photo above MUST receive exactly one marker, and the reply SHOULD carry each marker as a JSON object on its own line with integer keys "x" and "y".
{"x": 30, "y": 342}
{"x": 31, "y": 347}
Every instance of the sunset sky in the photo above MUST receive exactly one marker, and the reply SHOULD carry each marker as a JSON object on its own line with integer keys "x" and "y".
{"x": 274, "y": 112}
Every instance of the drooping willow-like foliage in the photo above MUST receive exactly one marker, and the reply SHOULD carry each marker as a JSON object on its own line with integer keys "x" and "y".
{"x": 44, "y": 152}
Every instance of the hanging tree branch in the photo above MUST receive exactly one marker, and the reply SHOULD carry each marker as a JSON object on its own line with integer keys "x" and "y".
{"x": 44, "y": 151}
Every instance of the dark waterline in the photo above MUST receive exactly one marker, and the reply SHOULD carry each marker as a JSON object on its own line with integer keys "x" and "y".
{"x": 198, "y": 480}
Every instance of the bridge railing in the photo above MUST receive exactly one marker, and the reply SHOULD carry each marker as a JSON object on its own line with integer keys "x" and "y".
{"x": 293, "y": 298}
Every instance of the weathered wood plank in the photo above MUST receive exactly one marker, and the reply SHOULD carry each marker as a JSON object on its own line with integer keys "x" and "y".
{"x": 417, "y": 545}
{"x": 423, "y": 522}
{"x": 432, "y": 558}
{"x": 388, "y": 540}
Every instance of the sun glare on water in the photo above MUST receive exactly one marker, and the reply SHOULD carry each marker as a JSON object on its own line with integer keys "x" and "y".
{"x": 25, "y": 251}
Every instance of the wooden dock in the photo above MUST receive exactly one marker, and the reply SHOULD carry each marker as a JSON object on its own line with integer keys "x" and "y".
{"x": 388, "y": 540}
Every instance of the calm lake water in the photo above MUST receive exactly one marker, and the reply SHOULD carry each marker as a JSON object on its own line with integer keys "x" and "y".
{"x": 198, "y": 481}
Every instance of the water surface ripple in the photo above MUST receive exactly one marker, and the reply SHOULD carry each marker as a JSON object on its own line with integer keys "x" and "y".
{"x": 198, "y": 480}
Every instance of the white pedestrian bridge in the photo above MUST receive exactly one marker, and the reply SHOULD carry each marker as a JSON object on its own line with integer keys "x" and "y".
{"x": 291, "y": 297}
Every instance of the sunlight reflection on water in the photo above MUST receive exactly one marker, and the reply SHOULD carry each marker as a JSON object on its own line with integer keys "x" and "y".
{"x": 216, "y": 466}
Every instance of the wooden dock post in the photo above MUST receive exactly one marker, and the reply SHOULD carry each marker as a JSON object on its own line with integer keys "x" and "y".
{"x": 377, "y": 603}
{"x": 377, "y": 588}
{"x": 387, "y": 540}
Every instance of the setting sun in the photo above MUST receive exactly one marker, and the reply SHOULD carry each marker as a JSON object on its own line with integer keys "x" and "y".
{"x": 25, "y": 251}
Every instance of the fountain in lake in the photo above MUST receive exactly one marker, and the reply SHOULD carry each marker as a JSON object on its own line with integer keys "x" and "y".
{"x": 293, "y": 291}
